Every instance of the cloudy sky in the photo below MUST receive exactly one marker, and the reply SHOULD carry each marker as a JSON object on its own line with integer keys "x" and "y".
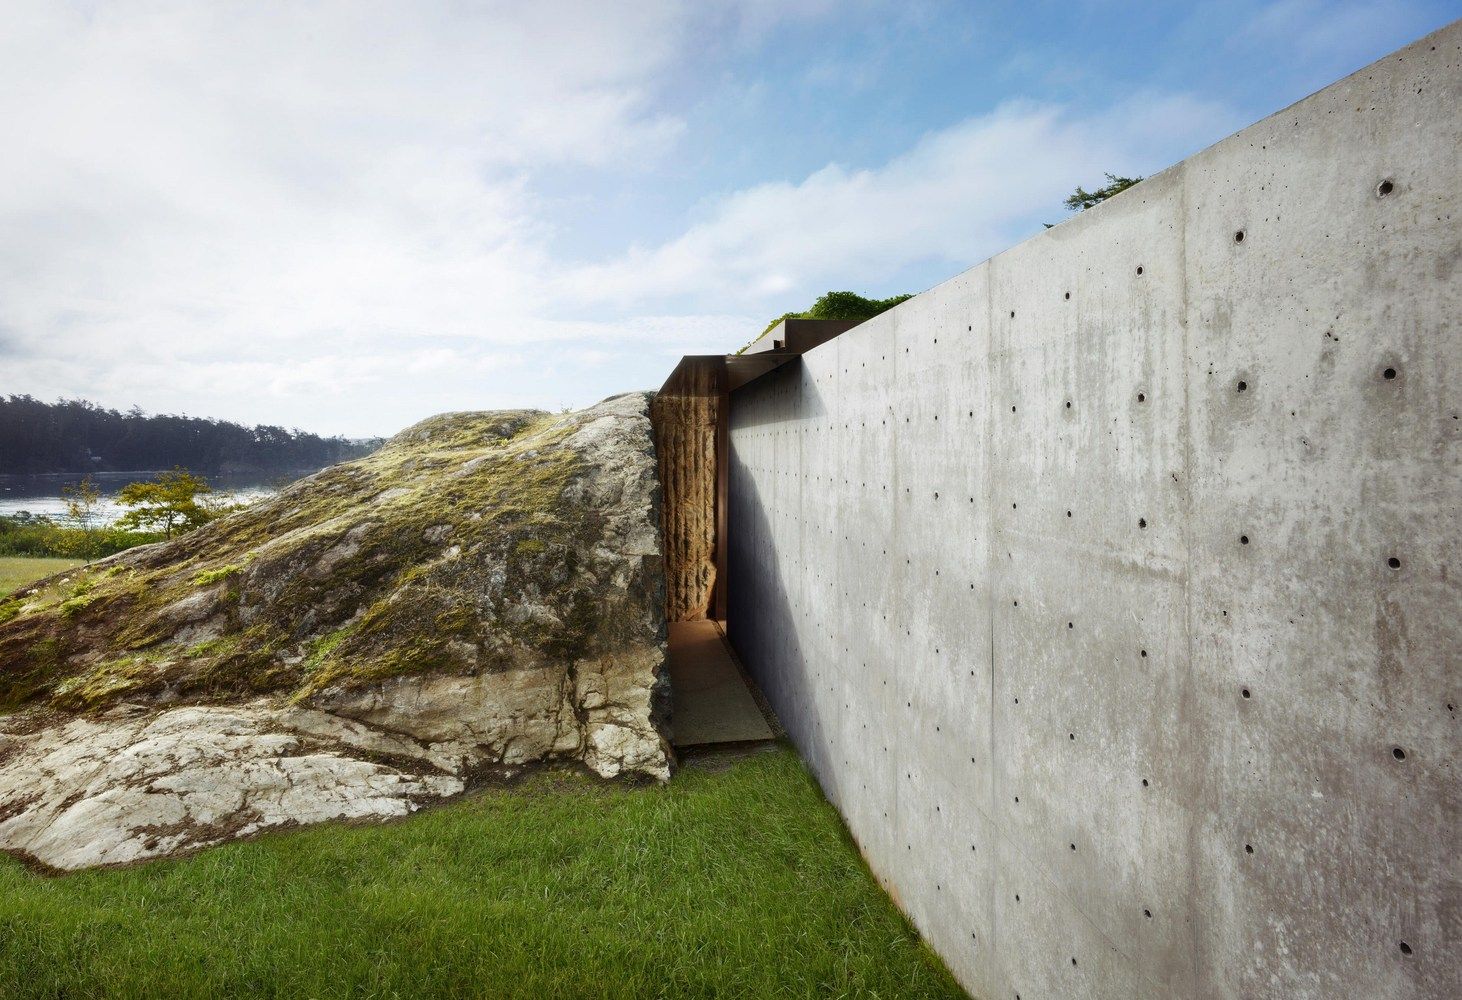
{"x": 347, "y": 216}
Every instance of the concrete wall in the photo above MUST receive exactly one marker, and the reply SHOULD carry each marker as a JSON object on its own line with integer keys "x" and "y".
{"x": 1072, "y": 578}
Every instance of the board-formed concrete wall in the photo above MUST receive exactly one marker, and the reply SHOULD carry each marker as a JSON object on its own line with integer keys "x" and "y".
{"x": 1111, "y": 590}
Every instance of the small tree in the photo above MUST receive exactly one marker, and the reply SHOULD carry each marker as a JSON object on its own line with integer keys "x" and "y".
{"x": 1081, "y": 200}
{"x": 838, "y": 305}
{"x": 170, "y": 503}
{"x": 82, "y": 503}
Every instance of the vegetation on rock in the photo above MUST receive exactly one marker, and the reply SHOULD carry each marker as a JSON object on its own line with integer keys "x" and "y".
{"x": 458, "y": 547}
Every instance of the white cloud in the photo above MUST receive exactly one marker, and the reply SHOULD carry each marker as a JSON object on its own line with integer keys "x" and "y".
{"x": 280, "y": 169}
{"x": 220, "y": 205}
{"x": 325, "y": 213}
{"x": 959, "y": 195}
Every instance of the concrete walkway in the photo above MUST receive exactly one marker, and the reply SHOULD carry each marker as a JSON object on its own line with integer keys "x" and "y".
{"x": 711, "y": 703}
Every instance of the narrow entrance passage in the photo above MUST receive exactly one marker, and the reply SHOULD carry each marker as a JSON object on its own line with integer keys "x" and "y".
{"x": 711, "y": 703}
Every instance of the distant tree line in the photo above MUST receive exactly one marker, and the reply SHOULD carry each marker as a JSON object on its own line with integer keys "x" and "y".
{"x": 73, "y": 435}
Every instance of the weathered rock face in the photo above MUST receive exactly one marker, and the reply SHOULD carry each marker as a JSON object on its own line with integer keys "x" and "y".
{"x": 484, "y": 593}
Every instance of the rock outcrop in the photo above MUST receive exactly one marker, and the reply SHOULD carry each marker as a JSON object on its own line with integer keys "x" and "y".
{"x": 482, "y": 594}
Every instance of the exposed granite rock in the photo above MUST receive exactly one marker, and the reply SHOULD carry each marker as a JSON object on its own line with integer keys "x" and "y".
{"x": 483, "y": 593}
{"x": 136, "y": 784}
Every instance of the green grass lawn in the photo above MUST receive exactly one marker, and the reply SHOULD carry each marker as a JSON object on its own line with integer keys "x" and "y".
{"x": 733, "y": 883}
{"x": 17, "y": 571}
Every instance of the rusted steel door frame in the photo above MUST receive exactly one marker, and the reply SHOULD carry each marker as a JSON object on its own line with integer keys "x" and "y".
{"x": 723, "y": 477}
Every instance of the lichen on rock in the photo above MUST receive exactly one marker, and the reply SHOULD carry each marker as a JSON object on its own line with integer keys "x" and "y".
{"x": 487, "y": 587}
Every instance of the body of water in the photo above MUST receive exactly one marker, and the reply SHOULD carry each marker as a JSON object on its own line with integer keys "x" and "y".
{"x": 40, "y": 495}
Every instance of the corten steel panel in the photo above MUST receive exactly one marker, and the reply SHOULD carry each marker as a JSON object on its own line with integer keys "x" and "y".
{"x": 687, "y": 415}
{"x": 1235, "y": 762}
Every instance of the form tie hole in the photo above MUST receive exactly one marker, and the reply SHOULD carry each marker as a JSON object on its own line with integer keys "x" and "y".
{"x": 1068, "y": 295}
{"x": 1244, "y": 692}
{"x": 1243, "y": 539}
{"x": 1389, "y": 373}
{"x": 1144, "y": 782}
{"x": 1142, "y": 522}
{"x": 1147, "y": 914}
{"x": 1144, "y": 654}
{"x": 1139, "y": 268}
{"x": 1394, "y": 563}
{"x": 1239, "y": 236}
{"x": 1405, "y": 948}
{"x": 1398, "y": 753}
{"x": 1242, "y": 386}
{"x": 1142, "y": 397}
{"x": 1248, "y": 848}
{"x": 1382, "y": 189}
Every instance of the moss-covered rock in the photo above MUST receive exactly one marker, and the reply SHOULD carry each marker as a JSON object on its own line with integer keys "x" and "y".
{"x": 471, "y": 542}
{"x": 490, "y": 567}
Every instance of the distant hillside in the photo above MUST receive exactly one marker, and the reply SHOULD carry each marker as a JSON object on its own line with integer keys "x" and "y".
{"x": 73, "y": 435}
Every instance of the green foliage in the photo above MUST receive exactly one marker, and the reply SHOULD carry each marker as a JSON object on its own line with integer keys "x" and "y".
{"x": 40, "y": 537}
{"x": 81, "y": 596}
{"x": 174, "y": 502}
{"x": 322, "y": 647}
{"x": 1081, "y": 199}
{"x": 82, "y": 501}
{"x": 209, "y": 647}
{"x": 838, "y": 305}
{"x": 734, "y": 882}
{"x": 208, "y": 576}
